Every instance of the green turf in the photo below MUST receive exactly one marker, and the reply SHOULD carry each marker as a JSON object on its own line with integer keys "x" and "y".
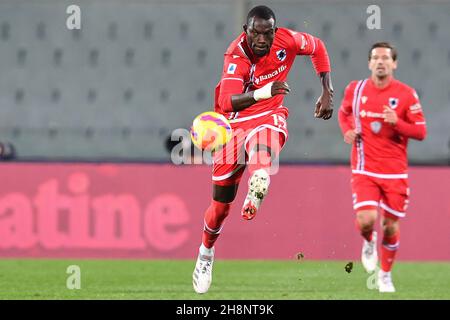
{"x": 165, "y": 279}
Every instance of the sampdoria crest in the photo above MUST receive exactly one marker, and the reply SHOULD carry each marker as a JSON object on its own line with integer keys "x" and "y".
{"x": 393, "y": 103}
{"x": 281, "y": 54}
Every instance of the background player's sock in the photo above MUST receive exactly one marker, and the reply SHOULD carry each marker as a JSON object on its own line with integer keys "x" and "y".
{"x": 389, "y": 247}
{"x": 214, "y": 217}
{"x": 367, "y": 234}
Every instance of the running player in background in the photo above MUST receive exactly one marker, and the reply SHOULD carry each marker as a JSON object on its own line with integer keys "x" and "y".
{"x": 250, "y": 94}
{"x": 378, "y": 115}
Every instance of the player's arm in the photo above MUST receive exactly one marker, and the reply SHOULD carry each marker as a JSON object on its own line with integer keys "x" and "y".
{"x": 236, "y": 73}
{"x": 345, "y": 116}
{"x": 314, "y": 47}
{"x": 324, "y": 105}
{"x": 414, "y": 124}
{"x": 244, "y": 100}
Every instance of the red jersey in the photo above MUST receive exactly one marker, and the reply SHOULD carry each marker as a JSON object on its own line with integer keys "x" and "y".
{"x": 243, "y": 71}
{"x": 382, "y": 149}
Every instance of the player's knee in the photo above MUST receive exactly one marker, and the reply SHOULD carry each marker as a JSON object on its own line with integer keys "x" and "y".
{"x": 366, "y": 226}
{"x": 224, "y": 194}
{"x": 366, "y": 219}
{"x": 390, "y": 227}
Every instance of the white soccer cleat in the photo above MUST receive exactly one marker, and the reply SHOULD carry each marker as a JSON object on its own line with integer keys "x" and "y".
{"x": 258, "y": 186}
{"x": 202, "y": 276}
{"x": 385, "y": 282}
{"x": 369, "y": 256}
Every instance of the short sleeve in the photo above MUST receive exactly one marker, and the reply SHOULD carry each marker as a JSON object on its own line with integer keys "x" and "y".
{"x": 305, "y": 43}
{"x": 235, "y": 68}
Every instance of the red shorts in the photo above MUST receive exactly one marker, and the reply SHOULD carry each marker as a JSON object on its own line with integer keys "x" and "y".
{"x": 392, "y": 195}
{"x": 229, "y": 163}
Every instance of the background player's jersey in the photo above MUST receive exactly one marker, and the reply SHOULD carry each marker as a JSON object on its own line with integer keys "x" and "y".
{"x": 382, "y": 150}
{"x": 243, "y": 72}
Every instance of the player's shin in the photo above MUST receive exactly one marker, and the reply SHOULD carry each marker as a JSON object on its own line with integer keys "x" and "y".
{"x": 214, "y": 218}
{"x": 365, "y": 224}
{"x": 365, "y": 221}
{"x": 389, "y": 248}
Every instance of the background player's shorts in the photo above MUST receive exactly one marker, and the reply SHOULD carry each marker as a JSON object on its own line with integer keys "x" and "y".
{"x": 392, "y": 195}
{"x": 270, "y": 130}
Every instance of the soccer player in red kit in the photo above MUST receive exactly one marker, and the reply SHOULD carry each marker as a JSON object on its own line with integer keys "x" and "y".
{"x": 250, "y": 94}
{"x": 378, "y": 115}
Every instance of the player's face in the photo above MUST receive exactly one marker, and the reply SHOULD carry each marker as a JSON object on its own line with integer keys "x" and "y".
{"x": 381, "y": 62}
{"x": 260, "y": 35}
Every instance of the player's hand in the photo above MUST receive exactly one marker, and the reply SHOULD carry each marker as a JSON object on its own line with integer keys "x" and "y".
{"x": 280, "y": 87}
{"x": 390, "y": 116}
{"x": 324, "y": 106}
{"x": 350, "y": 136}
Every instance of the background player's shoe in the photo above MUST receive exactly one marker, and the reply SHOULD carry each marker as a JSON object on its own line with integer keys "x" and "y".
{"x": 258, "y": 186}
{"x": 202, "y": 276}
{"x": 369, "y": 255}
{"x": 385, "y": 282}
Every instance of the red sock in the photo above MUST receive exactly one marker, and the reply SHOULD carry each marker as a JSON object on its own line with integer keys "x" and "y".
{"x": 366, "y": 234}
{"x": 389, "y": 248}
{"x": 214, "y": 217}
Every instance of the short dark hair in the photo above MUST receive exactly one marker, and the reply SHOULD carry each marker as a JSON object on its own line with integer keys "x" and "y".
{"x": 384, "y": 45}
{"x": 262, "y": 12}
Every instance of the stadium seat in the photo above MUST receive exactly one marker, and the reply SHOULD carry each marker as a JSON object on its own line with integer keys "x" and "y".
{"x": 117, "y": 87}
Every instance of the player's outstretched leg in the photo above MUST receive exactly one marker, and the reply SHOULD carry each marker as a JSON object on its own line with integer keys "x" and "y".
{"x": 258, "y": 184}
{"x": 365, "y": 222}
{"x": 264, "y": 148}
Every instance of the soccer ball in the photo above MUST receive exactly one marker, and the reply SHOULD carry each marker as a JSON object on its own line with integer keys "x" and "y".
{"x": 210, "y": 131}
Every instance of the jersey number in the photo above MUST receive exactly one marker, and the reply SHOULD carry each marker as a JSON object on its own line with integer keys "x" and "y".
{"x": 279, "y": 121}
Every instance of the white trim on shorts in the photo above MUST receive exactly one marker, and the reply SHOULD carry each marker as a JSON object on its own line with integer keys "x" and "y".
{"x": 228, "y": 175}
{"x": 382, "y": 175}
{"x": 392, "y": 211}
{"x": 366, "y": 203}
{"x": 260, "y": 128}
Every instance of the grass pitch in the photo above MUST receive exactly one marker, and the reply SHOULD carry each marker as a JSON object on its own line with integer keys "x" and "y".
{"x": 255, "y": 280}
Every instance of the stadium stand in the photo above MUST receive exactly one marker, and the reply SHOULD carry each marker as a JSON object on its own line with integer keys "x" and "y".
{"x": 115, "y": 89}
